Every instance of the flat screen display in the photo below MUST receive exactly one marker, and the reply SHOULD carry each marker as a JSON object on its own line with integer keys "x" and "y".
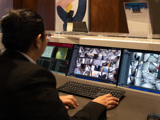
{"x": 95, "y": 63}
{"x": 140, "y": 70}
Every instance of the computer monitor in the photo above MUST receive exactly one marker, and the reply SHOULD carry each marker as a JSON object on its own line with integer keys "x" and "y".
{"x": 95, "y": 63}
{"x": 56, "y": 57}
{"x": 140, "y": 70}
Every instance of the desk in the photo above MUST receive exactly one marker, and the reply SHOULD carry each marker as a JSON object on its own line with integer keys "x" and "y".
{"x": 136, "y": 105}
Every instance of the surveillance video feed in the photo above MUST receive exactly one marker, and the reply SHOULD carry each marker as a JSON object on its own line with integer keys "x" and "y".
{"x": 94, "y": 62}
{"x": 143, "y": 69}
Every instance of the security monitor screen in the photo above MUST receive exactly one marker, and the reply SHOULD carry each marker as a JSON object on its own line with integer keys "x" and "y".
{"x": 140, "y": 70}
{"x": 95, "y": 63}
{"x": 56, "y": 57}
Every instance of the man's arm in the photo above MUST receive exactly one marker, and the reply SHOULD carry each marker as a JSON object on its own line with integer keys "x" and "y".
{"x": 38, "y": 99}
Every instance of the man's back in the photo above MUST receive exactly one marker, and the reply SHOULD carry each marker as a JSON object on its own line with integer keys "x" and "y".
{"x": 27, "y": 89}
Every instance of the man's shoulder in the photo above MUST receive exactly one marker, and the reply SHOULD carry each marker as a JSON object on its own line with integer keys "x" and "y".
{"x": 28, "y": 66}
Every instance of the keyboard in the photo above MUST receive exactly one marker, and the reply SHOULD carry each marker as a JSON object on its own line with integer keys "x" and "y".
{"x": 89, "y": 91}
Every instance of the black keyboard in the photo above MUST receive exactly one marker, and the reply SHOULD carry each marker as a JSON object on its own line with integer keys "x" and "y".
{"x": 89, "y": 91}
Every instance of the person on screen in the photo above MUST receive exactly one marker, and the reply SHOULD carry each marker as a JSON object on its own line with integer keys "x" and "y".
{"x": 28, "y": 91}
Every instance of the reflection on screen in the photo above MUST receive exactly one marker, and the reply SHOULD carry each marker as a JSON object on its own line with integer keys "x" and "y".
{"x": 140, "y": 69}
{"x": 97, "y": 63}
{"x": 48, "y": 52}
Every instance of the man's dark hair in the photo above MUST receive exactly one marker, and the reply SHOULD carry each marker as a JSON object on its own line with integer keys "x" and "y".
{"x": 20, "y": 28}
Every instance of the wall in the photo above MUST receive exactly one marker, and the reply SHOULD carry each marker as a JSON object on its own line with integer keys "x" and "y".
{"x": 105, "y": 15}
{"x": 5, "y": 5}
{"x": 46, "y": 10}
{"x": 25, "y": 4}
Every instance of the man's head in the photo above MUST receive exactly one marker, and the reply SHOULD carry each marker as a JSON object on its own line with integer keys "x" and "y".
{"x": 21, "y": 28}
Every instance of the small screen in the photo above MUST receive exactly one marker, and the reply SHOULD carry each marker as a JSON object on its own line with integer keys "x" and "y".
{"x": 95, "y": 63}
{"x": 140, "y": 70}
{"x": 61, "y": 53}
{"x": 56, "y": 57}
{"x": 48, "y": 52}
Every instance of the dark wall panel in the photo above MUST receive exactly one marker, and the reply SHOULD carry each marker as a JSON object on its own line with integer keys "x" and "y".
{"x": 25, "y": 4}
{"x": 17, "y": 4}
{"x": 46, "y": 9}
{"x": 106, "y": 15}
{"x": 123, "y": 28}
{"x": 103, "y": 15}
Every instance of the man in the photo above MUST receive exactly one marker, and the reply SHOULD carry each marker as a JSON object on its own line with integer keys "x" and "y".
{"x": 28, "y": 91}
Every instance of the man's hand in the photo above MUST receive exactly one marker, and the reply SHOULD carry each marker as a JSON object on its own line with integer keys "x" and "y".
{"x": 69, "y": 100}
{"x": 107, "y": 100}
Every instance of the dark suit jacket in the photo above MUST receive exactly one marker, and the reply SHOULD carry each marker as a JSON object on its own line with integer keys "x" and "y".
{"x": 28, "y": 92}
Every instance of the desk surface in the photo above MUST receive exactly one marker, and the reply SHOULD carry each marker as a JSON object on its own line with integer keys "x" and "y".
{"x": 136, "y": 105}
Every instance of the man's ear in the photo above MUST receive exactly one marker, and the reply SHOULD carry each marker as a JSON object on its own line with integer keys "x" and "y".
{"x": 38, "y": 41}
